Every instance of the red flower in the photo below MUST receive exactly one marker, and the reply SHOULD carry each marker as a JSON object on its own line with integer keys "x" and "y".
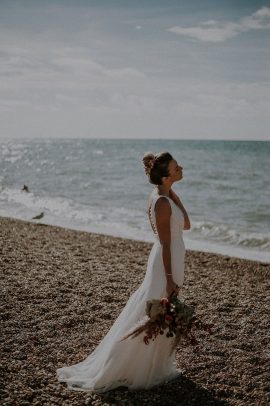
{"x": 168, "y": 318}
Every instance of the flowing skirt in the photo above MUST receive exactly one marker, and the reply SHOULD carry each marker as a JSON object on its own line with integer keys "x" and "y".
{"x": 130, "y": 362}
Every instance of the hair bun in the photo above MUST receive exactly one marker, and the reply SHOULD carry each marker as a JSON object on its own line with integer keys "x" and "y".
{"x": 148, "y": 162}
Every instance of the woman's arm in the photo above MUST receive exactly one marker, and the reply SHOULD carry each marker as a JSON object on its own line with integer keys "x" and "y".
{"x": 178, "y": 202}
{"x": 163, "y": 216}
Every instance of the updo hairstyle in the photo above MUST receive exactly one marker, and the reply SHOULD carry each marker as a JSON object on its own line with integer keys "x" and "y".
{"x": 156, "y": 166}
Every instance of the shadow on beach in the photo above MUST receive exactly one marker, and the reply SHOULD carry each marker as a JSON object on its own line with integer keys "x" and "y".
{"x": 180, "y": 391}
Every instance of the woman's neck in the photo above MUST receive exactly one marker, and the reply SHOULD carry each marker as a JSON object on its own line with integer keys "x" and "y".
{"x": 163, "y": 189}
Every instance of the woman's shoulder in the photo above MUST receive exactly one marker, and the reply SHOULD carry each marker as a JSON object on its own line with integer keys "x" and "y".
{"x": 158, "y": 201}
{"x": 162, "y": 201}
{"x": 162, "y": 205}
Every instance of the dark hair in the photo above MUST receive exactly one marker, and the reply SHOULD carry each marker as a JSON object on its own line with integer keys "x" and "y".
{"x": 156, "y": 166}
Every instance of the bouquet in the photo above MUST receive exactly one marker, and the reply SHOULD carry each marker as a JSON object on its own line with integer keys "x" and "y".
{"x": 172, "y": 317}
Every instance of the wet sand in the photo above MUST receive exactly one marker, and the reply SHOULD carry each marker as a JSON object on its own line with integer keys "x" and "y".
{"x": 62, "y": 289}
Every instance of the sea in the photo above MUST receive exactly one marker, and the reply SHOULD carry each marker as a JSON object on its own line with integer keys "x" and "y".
{"x": 99, "y": 185}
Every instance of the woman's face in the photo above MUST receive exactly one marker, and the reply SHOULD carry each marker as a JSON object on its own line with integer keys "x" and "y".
{"x": 175, "y": 171}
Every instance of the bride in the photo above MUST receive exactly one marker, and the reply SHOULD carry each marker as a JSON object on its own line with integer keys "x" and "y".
{"x": 130, "y": 362}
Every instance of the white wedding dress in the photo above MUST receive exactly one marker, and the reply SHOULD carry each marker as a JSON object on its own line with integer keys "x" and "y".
{"x": 131, "y": 363}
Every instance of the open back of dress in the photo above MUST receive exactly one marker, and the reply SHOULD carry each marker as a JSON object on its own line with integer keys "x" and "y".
{"x": 131, "y": 363}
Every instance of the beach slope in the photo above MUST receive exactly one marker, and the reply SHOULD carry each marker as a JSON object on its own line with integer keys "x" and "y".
{"x": 62, "y": 289}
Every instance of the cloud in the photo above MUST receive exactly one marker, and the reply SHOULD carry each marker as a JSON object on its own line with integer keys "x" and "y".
{"x": 213, "y": 31}
{"x": 54, "y": 78}
{"x": 22, "y": 63}
{"x": 242, "y": 102}
{"x": 28, "y": 72}
{"x": 79, "y": 65}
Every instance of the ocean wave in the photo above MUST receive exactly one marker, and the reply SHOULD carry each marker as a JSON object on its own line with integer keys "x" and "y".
{"x": 28, "y": 204}
{"x": 222, "y": 233}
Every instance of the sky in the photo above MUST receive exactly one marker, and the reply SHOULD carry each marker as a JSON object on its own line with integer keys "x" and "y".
{"x": 135, "y": 69}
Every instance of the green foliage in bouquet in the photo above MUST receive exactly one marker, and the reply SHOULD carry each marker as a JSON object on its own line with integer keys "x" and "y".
{"x": 172, "y": 317}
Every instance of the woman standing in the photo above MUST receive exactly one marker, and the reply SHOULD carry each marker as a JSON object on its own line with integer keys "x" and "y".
{"x": 130, "y": 362}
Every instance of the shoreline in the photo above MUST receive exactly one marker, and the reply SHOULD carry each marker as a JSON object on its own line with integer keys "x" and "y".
{"x": 62, "y": 290}
{"x": 191, "y": 245}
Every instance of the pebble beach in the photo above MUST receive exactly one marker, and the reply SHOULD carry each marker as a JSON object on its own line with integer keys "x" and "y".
{"x": 62, "y": 289}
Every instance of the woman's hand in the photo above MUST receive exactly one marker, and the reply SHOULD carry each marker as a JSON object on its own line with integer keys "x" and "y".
{"x": 171, "y": 287}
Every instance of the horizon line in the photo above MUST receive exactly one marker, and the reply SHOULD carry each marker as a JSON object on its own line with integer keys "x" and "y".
{"x": 132, "y": 139}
